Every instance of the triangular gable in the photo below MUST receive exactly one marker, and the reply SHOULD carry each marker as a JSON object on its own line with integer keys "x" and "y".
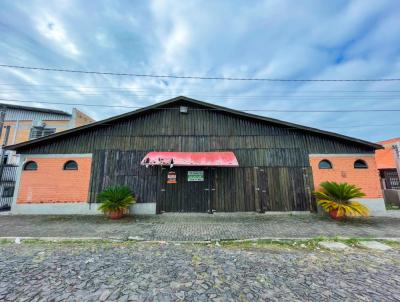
{"x": 200, "y": 103}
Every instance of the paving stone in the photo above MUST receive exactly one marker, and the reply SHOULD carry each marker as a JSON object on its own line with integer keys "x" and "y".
{"x": 192, "y": 226}
{"x": 136, "y": 238}
{"x": 374, "y": 245}
{"x": 153, "y": 272}
{"x": 105, "y": 294}
{"x": 334, "y": 246}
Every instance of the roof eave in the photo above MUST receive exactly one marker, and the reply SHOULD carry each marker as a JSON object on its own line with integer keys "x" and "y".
{"x": 224, "y": 109}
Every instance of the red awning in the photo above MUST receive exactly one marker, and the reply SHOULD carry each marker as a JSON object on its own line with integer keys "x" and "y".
{"x": 206, "y": 159}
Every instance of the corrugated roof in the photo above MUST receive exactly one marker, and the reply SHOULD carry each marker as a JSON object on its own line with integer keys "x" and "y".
{"x": 28, "y": 108}
{"x": 196, "y": 102}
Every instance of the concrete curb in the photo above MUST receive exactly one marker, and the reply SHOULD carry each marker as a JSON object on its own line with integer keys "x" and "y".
{"x": 125, "y": 239}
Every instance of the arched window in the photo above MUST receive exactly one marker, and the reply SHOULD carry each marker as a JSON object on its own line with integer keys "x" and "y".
{"x": 30, "y": 166}
{"x": 360, "y": 164}
{"x": 325, "y": 164}
{"x": 71, "y": 165}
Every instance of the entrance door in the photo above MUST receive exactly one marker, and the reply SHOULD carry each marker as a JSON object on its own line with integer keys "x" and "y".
{"x": 283, "y": 189}
{"x": 262, "y": 190}
{"x": 190, "y": 192}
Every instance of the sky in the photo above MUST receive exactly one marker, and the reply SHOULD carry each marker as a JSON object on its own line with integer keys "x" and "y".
{"x": 290, "y": 39}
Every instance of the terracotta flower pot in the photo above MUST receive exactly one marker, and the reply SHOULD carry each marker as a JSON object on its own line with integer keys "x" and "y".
{"x": 334, "y": 215}
{"x": 115, "y": 214}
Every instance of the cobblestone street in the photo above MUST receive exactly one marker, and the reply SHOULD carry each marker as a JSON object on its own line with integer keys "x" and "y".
{"x": 189, "y": 227}
{"x": 173, "y": 272}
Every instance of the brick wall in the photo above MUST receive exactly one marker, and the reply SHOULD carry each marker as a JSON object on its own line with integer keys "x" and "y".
{"x": 343, "y": 171}
{"x": 80, "y": 118}
{"x": 51, "y": 184}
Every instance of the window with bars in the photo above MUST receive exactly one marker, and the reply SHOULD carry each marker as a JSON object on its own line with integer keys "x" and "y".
{"x": 8, "y": 192}
{"x": 391, "y": 179}
{"x": 37, "y": 132}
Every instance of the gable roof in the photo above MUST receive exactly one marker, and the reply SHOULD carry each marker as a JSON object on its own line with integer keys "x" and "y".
{"x": 196, "y": 102}
{"x": 36, "y": 109}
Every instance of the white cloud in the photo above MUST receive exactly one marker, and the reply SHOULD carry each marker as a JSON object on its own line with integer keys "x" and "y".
{"x": 27, "y": 78}
{"x": 52, "y": 29}
{"x": 275, "y": 39}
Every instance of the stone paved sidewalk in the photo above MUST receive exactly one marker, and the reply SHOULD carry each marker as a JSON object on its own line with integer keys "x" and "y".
{"x": 176, "y": 272}
{"x": 189, "y": 227}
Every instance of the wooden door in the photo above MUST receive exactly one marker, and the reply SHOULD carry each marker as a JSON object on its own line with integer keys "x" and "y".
{"x": 190, "y": 192}
{"x": 262, "y": 190}
{"x": 282, "y": 189}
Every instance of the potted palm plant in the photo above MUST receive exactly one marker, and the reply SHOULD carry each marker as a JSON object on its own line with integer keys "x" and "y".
{"x": 337, "y": 200}
{"x": 115, "y": 201}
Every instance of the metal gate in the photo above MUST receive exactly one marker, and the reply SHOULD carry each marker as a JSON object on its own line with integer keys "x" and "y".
{"x": 391, "y": 179}
{"x": 7, "y": 185}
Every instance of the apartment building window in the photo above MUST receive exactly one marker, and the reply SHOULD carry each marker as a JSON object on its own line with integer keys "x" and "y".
{"x": 37, "y": 132}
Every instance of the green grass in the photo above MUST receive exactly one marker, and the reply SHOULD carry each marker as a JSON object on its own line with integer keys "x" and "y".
{"x": 77, "y": 242}
{"x": 310, "y": 244}
{"x": 298, "y": 244}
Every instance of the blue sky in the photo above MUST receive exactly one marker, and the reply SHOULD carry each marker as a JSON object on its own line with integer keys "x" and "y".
{"x": 271, "y": 39}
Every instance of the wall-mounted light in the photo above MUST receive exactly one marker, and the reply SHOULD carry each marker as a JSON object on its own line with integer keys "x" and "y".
{"x": 183, "y": 109}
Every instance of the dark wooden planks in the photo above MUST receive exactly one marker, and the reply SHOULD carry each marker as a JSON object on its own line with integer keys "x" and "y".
{"x": 281, "y": 152}
{"x": 195, "y": 131}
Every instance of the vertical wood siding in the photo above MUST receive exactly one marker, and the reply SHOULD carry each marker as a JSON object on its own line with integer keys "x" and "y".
{"x": 272, "y": 157}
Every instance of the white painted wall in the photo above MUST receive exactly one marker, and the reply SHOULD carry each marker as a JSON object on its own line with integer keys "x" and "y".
{"x": 77, "y": 209}
{"x": 376, "y": 206}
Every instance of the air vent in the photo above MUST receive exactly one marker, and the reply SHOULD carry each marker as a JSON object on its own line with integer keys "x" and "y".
{"x": 183, "y": 109}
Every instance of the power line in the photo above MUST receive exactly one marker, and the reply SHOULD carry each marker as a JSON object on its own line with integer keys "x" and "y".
{"x": 55, "y": 89}
{"x": 195, "y": 77}
{"x": 208, "y": 109}
{"x": 324, "y": 126}
{"x": 112, "y": 88}
{"x": 272, "y": 94}
{"x": 229, "y": 97}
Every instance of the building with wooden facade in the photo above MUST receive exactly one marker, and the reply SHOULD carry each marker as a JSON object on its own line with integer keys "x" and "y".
{"x": 184, "y": 155}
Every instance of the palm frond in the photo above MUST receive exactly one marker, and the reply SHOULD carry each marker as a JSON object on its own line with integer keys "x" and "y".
{"x": 339, "y": 196}
{"x": 339, "y": 192}
{"x": 115, "y": 198}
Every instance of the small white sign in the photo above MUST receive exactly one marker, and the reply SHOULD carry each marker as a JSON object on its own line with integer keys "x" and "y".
{"x": 195, "y": 175}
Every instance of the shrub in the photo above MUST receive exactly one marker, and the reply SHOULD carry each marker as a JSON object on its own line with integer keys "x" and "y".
{"x": 115, "y": 198}
{"x": 337, "y": 197}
